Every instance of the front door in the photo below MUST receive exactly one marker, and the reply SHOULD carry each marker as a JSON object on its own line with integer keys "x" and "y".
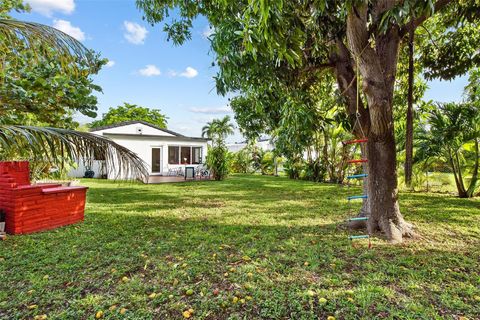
{"x": 156, "y": 160}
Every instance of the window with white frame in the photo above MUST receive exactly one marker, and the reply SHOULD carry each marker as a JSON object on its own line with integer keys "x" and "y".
{"x": 184, "y": 155}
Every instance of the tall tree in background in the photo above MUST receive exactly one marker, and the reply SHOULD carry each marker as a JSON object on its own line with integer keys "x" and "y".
{"x": 129, "y": 112}
{"x": 352, "y": 37}
{"x": 218, "y": 129}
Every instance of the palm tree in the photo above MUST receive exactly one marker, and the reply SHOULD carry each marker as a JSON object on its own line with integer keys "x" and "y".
{"x": 53, "y": 144}
{"x": 218, "y": 129}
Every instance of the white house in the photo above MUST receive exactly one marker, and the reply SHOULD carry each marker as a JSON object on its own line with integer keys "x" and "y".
{"x": 162, "y": 150}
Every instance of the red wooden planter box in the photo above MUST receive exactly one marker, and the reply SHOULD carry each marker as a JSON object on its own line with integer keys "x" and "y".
{"x": 32, "y": 208}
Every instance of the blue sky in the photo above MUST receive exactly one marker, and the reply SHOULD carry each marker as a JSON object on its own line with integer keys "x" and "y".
{"x": 147, "y": 70}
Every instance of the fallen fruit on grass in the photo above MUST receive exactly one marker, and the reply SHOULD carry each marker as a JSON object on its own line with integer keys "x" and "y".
{"x": 189, "y": 292}
{"x": 123, "y": 311}
{"x": 232, "y": 269}
{"x": 113, "y": 270}
{"x": 330, "y": 318}
{"x": 350, "y": 292}
{"x": 322, "y": 300}
{"x": 45, "y": 277}
{"x": 186, "y": 314}
{"x": 235, "y": 300}
{"x": 225, "y": 274}
{"x": 152, "y": 295}
{"x": 306, "y": 263}
{"x": 311, "y": 293}
{"x": 125, "y": 279}
{"x": 99, "y": 315}
{"x": 350, "y": 299}
{"x": 40, "y": 317}
{"x": 246, "y": 258}
{"x": 30, "y": 291}
{"x": 112, "y": 308}
{"x": 191, "y": 311}
{"x": 32, "y": 306}
{"x": 242, "y": 301}
{"x": 248, "y": 298}
{"x": 476, "y": 298}
{"x": 170, "y": 296}
{"x": 250, "y": 275}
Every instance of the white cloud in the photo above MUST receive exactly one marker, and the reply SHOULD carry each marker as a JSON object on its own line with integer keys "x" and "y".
{"x": 189, "y": 72}
{"x": 110, "y": 64}
{"x": 67, "y": 27}
{"x": 48, "y": 7}
{"x": 208, "y": 31}
{"x": 150, "y": 70}
{"x": 217, "y": 110}
{"x": 134, "y": 33}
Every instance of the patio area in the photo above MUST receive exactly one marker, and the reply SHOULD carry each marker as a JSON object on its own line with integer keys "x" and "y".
{"x": 169, "y": 179}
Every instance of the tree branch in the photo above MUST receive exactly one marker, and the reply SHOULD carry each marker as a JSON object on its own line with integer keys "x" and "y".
{"x": 439, "y": 5}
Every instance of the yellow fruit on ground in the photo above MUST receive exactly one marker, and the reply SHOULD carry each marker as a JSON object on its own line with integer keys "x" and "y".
{"x": 235, "y": 300}
{"x": 123, "y": 311}
{"x": 112, "y": 308}
{"x": 113, "y": 270}
{"x": 125, "y": 279}
{"x": 191, "y": 310}
{"x": 152, "y": 295}
{"x": 186, "y": 314}
{"x": 330, "y": 318}
{"x": 242, "y": 301}
{"x": 45, "y": 277}
{"x": 248, "y": 298}
{"x": 170, "y": 296}
{"x": 99, "y": 315}
{"x": 41, "y": 317}
{"x": 30, "y": 291}
{"x": 246, "y": 258}
{"x": 189, "y": 292}
{"x": 350, "y": 292}
{"x": 476, "y": 298}
{"x": 311, "y": 293}
{"x": 350, "y": 299}
{"x": 32, "y": 306}
{"x": 306, "y": 263}
{"x": 322, "y": 300}
{"x": 250, "y": 275}
{"x": 232, "y": 269}
{"x": 225, "y": 274}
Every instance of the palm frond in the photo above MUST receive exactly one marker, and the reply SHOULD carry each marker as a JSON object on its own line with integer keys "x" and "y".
{"x": 55, "y": 145}
{"x": 29, "y": 34}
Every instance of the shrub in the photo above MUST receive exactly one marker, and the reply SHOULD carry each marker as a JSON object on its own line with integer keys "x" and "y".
{"x": 241, "y": 161}
{"x": 217, "y": 161}
{"x": 267, "y": 164}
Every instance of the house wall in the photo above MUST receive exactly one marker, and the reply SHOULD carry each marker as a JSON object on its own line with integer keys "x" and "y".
{"x": 142, "y": 146}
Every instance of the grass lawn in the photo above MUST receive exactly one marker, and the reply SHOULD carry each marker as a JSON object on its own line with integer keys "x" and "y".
{"x": 250, "y": 247}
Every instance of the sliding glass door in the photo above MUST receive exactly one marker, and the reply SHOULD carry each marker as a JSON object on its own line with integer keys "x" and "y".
{"x": 156, "y": 160}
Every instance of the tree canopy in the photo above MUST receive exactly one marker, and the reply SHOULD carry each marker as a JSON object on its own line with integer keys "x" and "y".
{"x": 129, "y": 112}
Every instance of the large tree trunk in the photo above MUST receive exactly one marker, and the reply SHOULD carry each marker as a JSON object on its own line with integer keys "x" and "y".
{"x": 409, "y": 130}
{"x": 473, "y": 182}
{"x": 377, "y": 64}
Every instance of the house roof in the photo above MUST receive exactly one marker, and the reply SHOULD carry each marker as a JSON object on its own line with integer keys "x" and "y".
{"x": 179, "y": 137}
{"x": 125, "y": 123}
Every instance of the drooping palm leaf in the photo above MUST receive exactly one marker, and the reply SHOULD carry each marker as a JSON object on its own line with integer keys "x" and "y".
{"x": 53, "y": 145}
{"x": 14, "y": 33}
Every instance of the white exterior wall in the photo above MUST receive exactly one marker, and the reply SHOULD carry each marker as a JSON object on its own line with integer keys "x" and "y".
{"x": 142, "y": 145}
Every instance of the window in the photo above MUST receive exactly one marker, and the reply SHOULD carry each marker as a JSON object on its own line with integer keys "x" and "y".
{"x": 173, "y": 155}
{"x": 196, "y": 155}
{"x": 185, "y": 156}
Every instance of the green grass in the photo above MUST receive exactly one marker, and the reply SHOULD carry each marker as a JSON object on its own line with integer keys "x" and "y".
{"x": 275, "y": 244}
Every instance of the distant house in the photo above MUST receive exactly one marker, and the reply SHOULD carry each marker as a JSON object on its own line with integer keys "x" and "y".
{"x": 162, "y": 150}
{"x": 263, "y": 143}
